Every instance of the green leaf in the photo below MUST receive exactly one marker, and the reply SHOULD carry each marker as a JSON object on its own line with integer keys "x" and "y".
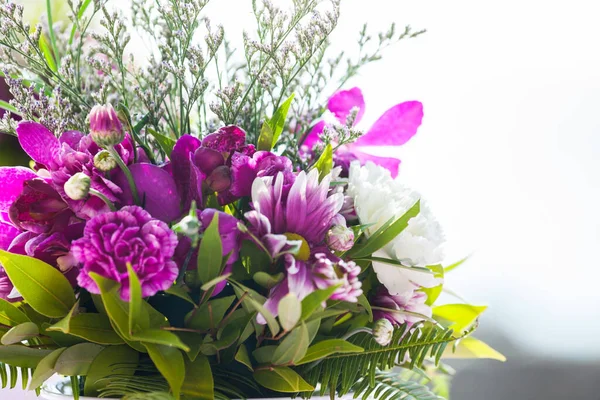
{"x": 8, "y": 107}
{"x": 165, "y": 142}
{"x": 362, "y": 300}
{"x": 265, "y": 139}
{"x": 76, "y": 360}
{"x": 325, "y": 163}
{"x": 160, "y": 337}
{"x": 386, "y": 234}
{"x": 17, "y": 334}
{"x": 455, "y": 265}
{"x": 264, "y": 354}
{"x": 198, "y": 382}
{"x": 313, "y": 301}
{"x": 92, "y": 327}
{"x": 45, "y": 369}
{"x": 47, "y": 51}
{"x": 22, "y": 356}
{"x": 116, "y": 309}
{"x": 267, "y": 281}
{"x": 461, "y": 316}
{"x": 277, "y": 123}
{"x": 139, "y": 319}
{"x": 213, "y": 282}
{"x": 10, "y": 315}
{"x": 51, "y": 33}
{"x": 209, "y": 314}
{"x": 169, "y": 361}
{"x": 293, "y": 348}
{"x": 40, "y": 284}
{"x": 434, "y": 292}
{"x": 210, "y": 253}
{"x": 289, "y": 311}
{"x": 112, "y": 360}
{"x": 328, "y": 347}
{"x": 181, "y": 292}
{"x": 470, "y": 347}
{"x": 282, "y": 379}
{"x": 252, "y": 301}
{"x": 313, "y": 328}
{"x": 243, "y": 357}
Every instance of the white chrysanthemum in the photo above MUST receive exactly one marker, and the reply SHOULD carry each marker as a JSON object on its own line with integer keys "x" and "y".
{"x": 377, "y": 199}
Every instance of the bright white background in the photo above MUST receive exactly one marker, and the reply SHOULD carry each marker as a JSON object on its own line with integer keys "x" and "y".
{"x": 508, "y": 154}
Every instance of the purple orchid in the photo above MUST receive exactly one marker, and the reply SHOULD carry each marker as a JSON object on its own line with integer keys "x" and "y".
{"x": 245, "y": 168}
{"x": 394, "y": 128}
{"x": 396, "y": 309}
{"x": 72, "y": 153}
{"x": 204, "y": 167}
{"x": 130, "y": 235}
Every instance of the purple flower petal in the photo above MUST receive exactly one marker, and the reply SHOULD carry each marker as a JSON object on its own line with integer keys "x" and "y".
{"x": 313, "y": 136}
{"x": 395, "y": 127}
{"x": 156, "y": 189}
{"x": 38, "y": 142}
{"x": 181, "y": 164}
{"x": 72, "y": 138}
{"x": 208, "y": 159}
{"x": 12, "y": 179}
{"x": 389, "y": 163}
{"x": 7, "y": 235}
{"x": 226, "y": 139}
{"x": 343, "y": 101}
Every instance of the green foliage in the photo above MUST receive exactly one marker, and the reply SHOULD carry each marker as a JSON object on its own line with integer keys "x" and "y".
{"x": 282, "y": 379}
{"x": 210, "y": 253}
{"x": 122, "y": 360}
{"x": 391, "y": 386}
{"x": 326, "y": 348}
{"x": 325, "y": 162}
{"x": 340, "y": 371}
{"x": 169, "y": 361}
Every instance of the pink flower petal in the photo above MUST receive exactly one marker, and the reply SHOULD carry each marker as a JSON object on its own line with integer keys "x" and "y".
{"x": 313, "y": 136}
{"x": 395, "y": 127}
{"x": 389, "y": 163}
{"x": 12, "y": 179}
{"x": 7, "y": 234}
{"x": 343, "y": 101}
{"x": 38, "y": 142}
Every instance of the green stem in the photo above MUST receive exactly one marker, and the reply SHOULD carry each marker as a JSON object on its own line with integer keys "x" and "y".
{"x": 359, "y": 330}
{"x": 51, "y": 33}
{"x": 105, "y": 199}
{"x": 127, "y": 173}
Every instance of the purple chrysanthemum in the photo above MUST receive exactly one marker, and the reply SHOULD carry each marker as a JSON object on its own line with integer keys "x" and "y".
{"x": 110, "y": 241}
{"x": 393, "y": 308}
{"x": 331, "y": 271}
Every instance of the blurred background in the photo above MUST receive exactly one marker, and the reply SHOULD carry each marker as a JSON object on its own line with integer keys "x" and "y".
{"x": 508, "y": 157}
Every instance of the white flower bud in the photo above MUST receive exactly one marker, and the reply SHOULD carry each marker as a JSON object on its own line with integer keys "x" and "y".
{"x": 340, "y": 238}
{"x": 78, "y": 186}
{"x": 383, "y": 332}
{"x": 104, "y": 161}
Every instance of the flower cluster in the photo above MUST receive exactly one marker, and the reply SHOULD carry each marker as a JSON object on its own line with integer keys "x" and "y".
{"x": 240, "y": 240}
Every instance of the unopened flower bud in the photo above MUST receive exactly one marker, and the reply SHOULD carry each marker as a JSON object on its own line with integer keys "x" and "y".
{"x": 104, "y": 161}
{"x": 78, "y": 186}
{"x": 340, "y": 238}
{"x": 189, "y": 226}
{"x": 383, "y": 332}
{"x": 105, "y": 128}
{"x": 220, "y": 179}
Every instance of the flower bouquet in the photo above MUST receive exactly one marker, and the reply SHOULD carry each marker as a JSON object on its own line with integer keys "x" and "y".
{"x": 205, "y": 224}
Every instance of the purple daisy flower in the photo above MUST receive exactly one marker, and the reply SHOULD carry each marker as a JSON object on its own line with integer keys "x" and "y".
{"x": 329, "y": 270}
{"x": 110, "y": 241}
{"x": 412, "y": 301}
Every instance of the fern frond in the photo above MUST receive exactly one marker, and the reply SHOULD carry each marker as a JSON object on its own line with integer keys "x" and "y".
{"x": 391, "y": 386}
{"x": 339, "y": 372}
{"x": 9, "y": 375}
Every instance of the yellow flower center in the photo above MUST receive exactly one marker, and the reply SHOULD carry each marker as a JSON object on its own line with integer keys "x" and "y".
{"x": 304, "y": 252}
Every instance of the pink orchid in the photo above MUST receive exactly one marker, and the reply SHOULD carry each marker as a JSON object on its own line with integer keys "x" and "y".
{"x": 394, "y": 128}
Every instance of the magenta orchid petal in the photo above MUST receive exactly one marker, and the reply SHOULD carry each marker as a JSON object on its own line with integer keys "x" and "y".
{"x": 313, "y": 136}
{"x": 7, "y": 235}
{"x": 38, "y": 142}
{"x": 395, "y": 127}
{"x": 182, "y": 168}
{"x": 72, "y": 138}
{"x": 156, "y": 188}
{"x": 13, "y": 179}
{"x": 226, "y": 139}
{"x": 343, "y": 101}
{"x": 207, "y": 159}
{"x": 389, "y": 163}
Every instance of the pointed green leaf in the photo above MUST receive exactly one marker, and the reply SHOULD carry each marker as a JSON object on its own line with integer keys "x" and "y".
{"x": 253, "y": 301}
{"x": 470, "y": 347}
{"x": 210, "y": 253}
{"x": 45, "y": 369}
{"x": 455, "y": 265}
{"x": 382, "y": 237}
{"x": 166, "y": 143}
{"x": 10, "y": 315}
{"x": 289, "y": 311}
{"x": 198, "y": 382}
{"x": 267, "y": 281}
{"x": 40, "y": 284}
{"x": 313, "y": 301}
{"x": 169, "y": 362}
{"x": 22, "y": 356}
{"x": 210, "y": 314}
{"x": 92, "y": 327}
{"x": 277, "y": 123}
{"x": 121, "y": 360}
{"x": 293, "y": 348}
{"x": 282, "y": 379}
{"x": 76, "y": 360}
{"x": 47, "y": 52}
{"x": 160, "y": 337}
{"x": 461, "y": 316}
{"x": 213, "y": 282}
{"x": 17, "y": 334}
{"x": 325, "y": 163}
{"x": 116, "y": 309}
{"x": 181, "y": 292}
{"x": 362, "y": 300}
{"x": 243, "y": 357}
{"x": 328, "y": 347}
{"x": 265, "y": 139}
{"x": 434, "y": 292}
{"x": 264, "y": 354}
{"x": 139, "y": 319}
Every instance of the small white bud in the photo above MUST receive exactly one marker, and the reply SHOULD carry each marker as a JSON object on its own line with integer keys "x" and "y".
{"x": 104, "y": 161}
{"x": 340, "y": 238}
{"x": 78, "y": 186}
{"x": 383, "y": 332}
